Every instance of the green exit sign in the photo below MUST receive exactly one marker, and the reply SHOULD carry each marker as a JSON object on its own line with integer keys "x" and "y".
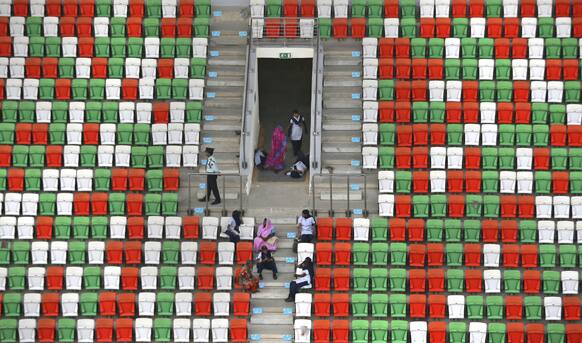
{"x": 284, "y": 55}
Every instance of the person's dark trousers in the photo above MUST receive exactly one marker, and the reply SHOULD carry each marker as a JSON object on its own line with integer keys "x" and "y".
{"x": 270, "y": 265}
{"x": 295, "y": 287}
{"x": 212, "y": 186}
{"x": 296, "y": 147}
{"x": 233, "y": 237}
{"x": 306, "y": 238}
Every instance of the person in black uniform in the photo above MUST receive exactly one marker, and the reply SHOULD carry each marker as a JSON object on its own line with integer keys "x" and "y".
{"x": 211, "y": 178}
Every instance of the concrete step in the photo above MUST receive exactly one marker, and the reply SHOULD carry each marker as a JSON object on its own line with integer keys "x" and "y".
{"x": 334, "y": 102}
{"x": 342, "y": 125}
{"x": 221, "y": 126}
{"x": 272, "y": 319}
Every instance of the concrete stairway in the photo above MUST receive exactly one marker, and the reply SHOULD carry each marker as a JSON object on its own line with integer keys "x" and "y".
{"x": 342, "y": 89}
{"x": 225, "y": 80}
{"x": 272, "y": 318}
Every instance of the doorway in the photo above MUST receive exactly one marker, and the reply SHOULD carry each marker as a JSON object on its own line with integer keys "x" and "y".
{"x": 284, "y": 86}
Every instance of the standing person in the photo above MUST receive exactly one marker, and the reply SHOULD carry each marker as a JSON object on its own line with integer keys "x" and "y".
{"x": 295, "y": 131}
{"x": 276, "y": 158}
{"x": 265, "y": 260}
{"x": 304, "y": 278}
{"x": 211, "y": 178}
{"x": 306, "y": 227}
{"x": 233, "y": 227}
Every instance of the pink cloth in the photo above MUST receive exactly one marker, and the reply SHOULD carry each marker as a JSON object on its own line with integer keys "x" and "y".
{"x": 276, "y": 158}
{"x": 264, "y": 232}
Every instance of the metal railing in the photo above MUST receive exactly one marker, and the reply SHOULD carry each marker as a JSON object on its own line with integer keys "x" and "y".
{"x": 198, "y": 179}
{"x": 284, "y": 27}
{"x": 349, "y": 187}
{"x": 244, "y": 133}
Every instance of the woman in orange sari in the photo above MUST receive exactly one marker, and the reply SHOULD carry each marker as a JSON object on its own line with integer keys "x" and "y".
{"x": 247, "y": 280}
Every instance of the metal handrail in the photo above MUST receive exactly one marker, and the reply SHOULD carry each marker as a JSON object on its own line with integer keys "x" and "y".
{"x": 282, "y": 24}
{"x": 244, "y": 163}
{"x": 331, "y": 177}
{"x": 223, "y": 177}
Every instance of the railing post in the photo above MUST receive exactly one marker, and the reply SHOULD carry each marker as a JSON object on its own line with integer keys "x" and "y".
{"x": 240, "y": 181}
{"x": 224, "y": 213}
{"x": 365, "y": 195}
{"x": 330, "y": 195}
{"x": 314, "y": 209}
{"x": 348, "y": 211}
{"x": 189, "y": 211}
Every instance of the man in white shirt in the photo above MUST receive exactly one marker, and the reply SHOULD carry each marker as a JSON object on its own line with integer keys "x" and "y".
{"x": 295, "y": 131}
{"x": 211, "y": 177}
{"x": 306, "y": 227}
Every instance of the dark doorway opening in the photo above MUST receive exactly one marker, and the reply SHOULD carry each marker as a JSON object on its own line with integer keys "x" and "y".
{"x": 284, "y": 85}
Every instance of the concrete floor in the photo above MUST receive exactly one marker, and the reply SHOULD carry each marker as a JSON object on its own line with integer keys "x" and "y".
{"x": 284, "y": 85}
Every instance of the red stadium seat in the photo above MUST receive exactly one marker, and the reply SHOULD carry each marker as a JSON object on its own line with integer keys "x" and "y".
{"x": 46, "y": 330}
{"x": 474, "y": 280}
{"x": 241, "y": 304}
{"x": 397, "y": 227}
{"x": 16, "y": 179}
{"x": 63, "y": 89}
{"x": 443, "y": 27}
{"x": 308, "y": 8}
{"x": 166, "y": 68}
{"x": 20, "y": 8}
{"x": 476, "y": 8}
{"x": 238, "y": 330}
{"x": 420, "y": 157}
{"x": 472, "y": 254}
{"x": 81, "y": 204}
{"x": 207, "y": 252}
{"x": 358, "y": 27}
{"x": 161, "y": 112}
{"x": 436, "y": 254}
{"x": 402, "y": 46}
{"x": 437, "y": 331}
{"x": 104, "y": 330}
{"x": 509, "y": 231}
{"x": 340, "y": 28}
{"x": 50, "y": 304}
{"x": 290, "y": 8}
{"x": 403, "y": 157}
{"x": 205, "y": 281}
{"x": 420, "y": 183}
{"x": 186, "y": 8}
{"x": 322, "y": 279}
{"x": 324, "y": 229}
{"x": 114, "y": 252}
{"x": 459, "y": 8}
{"x": 494, "y": 27}
{"x": 456, "y": 206}
{"x": 490, "y": 229}
{"x": 437, "y": 305}
{"x": 515, "y": 332}
{"x": 124, "y": 329}
{"x": 402, "y": 111}
{"x": 323, "y": 253}
{"x": 535, "y": 333}
{"x": 33, "y": 67}
{"x": 135, "y": 227}
{"x": 168, "y": 27}
{"x": 107, "y": 304}
{"x": 341, "y": 279}
{"x": 343, "y": 229}
{"x": 321, "y": 328}
{"x": 427, "y": 27}
{"x": 54, "y": 278}
{"x": 436, "y": 280}
{"x": 513, "y": 307}
{"x": 417, "y": 303}
{"x": 44, "y": 228}
{"x": 129, "y": 89}
{"x": 417, "y": 279}
{"x": 528, "y": 8}
{"x": 531, "y": 281}
{"x": 341, "y": 304}
{"x": 190, "y": 227}
{"x": 184, "y": 26}
{"x": 321, "y": 304}
{"x": 340, "y": 331}
{"x": 133, "y": 252}
{"x": 455, "y": 180}
{"x": 574, "y": 332}
{"x": 572, "y": 308}
{"x": 129, "y": 278}
{"x": 417, "y": 255}
{"x": 343, "y": 254}
{"x": 472, "y": 158}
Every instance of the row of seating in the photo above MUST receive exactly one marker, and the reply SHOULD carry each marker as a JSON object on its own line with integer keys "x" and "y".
{"x": 103, "y": 134}
{"x": 472, "y": 69}
{"x": 447, "y": 280}
{"x": 405, "y": 135}
{"x": 102, "y": 47}
{"x": 98, "y": 67}
{"x": 438, "y": 254}
{"x": 110, "y": 89}
{"x": 124, "y": 330}
{"x": 558, "y": 182}
{"x": 131, "y": 252}
{"x": 113, "y": 277}
{"x": 473, "y": 205}
{"x": 399, "y": 331}
{"x": 71, "y": 26}
{"x": 415, "y": 306}
{"x": 106, "y": 8}
{"x": 450, "y": 91}
{"x": 143, "y": 304}
{"x": 99, "y": 228}
{"x": 475, "y": 158}
{"x": 484, "y": 48}
{"x": 404, "y": 112}
{"x": 455, "y": 230}
{"x": 403, "y": 8}
{"x": 86, "y": 203}
{"x": 115, "y": 179}
{"x": 74, "y": 156}
{"x": 46, "y": 112}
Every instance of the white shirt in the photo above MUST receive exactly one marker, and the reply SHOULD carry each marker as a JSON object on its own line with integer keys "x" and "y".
{"x": 305, "y": 278}
{"x": 300, "y": 166}
{"x": 307, "y": 225}
{"x": 296, "y": 130}
{"x": 211, "y": 166}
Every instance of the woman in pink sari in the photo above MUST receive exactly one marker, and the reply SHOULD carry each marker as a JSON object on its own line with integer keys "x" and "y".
{"x": 276, "y": 158}
{"x": 266, "y": 236}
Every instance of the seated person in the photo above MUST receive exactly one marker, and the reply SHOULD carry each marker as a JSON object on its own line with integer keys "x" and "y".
{"x": 305, "y": 278}
{"x": 299, "y": 168}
